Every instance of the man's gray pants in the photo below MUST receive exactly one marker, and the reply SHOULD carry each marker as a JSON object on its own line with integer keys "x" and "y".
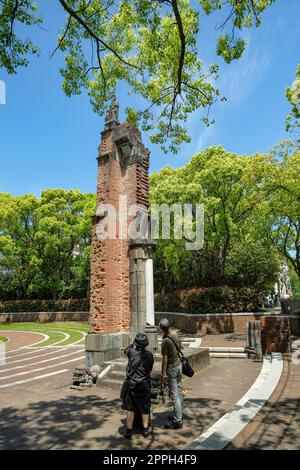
{"x": 174, "y": 375}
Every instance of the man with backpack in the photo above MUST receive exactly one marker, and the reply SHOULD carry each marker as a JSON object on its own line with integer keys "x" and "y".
{"x": 171, "y": 372}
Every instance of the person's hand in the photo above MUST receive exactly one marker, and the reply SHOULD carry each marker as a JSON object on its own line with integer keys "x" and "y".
{"x": 163, "y": 380}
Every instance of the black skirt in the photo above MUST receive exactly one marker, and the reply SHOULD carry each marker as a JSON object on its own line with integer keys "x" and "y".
{"x": 138, "y": 397}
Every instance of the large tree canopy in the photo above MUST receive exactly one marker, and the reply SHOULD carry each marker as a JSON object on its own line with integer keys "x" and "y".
{"x": 149, "y": 44}
{"x": 282, "y": 207}
{"x": 236, "y": 250}
{"x": 251, "y": 208}
{"x": 45, "y": 244}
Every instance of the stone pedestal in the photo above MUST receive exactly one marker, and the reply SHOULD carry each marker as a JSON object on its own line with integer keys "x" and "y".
{"x": 104, "y": 347}
{"x": 152, "y": 334}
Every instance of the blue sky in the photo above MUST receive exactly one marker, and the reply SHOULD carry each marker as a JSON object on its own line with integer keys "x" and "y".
{"x": 50, "y": 141}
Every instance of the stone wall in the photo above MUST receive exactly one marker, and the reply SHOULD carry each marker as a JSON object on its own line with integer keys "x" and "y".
{"x": 188, "y": 323}
{"x": 290, "y": 305}
{"x": 203, "y": 324}
{"x": 218, "y": 323}
{"x": 43, "y": 317}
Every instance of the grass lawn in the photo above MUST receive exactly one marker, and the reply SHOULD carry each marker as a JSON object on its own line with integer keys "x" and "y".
{"x": 63, "y": 333}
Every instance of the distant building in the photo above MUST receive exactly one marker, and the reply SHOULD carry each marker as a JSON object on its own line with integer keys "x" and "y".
{"x": 283, "y": 287}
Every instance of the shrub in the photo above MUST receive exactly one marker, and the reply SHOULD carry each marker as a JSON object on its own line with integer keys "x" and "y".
{"x": 210, "y": 300}
{"x": 70, "y": 305}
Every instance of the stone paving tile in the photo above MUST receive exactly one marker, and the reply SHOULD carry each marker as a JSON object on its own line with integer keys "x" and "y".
{"x": 277, "y": 425}
{"x": 45, "y": 417}
{"x": 230, "y": 340}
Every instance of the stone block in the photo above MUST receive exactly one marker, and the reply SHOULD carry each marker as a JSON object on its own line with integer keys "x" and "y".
{"x": 104, "y": 347}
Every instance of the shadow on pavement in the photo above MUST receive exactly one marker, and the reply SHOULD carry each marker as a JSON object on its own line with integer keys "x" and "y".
{"x": 92, "y": 422}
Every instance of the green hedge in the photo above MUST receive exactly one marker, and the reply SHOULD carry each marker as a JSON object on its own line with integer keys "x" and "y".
{"x": 71, "y": 305}
{"x": 210, "y": 300}
{"x": 198, "y": 300}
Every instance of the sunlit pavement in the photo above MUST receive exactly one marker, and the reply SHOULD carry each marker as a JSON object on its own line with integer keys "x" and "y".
{"x": 22, "y": 363}
{"x": 38, "y": 410}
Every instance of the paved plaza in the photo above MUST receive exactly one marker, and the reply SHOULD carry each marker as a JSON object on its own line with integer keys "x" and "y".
{"x": 277, "y": 425}
{"x": 23, "y": 365}
{"x": 40, "y": 411}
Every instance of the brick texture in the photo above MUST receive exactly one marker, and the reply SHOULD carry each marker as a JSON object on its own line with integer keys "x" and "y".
{"x": 279, "y": 327}
{"x": 110, "y": 282}
{"x": 275, "y": 335}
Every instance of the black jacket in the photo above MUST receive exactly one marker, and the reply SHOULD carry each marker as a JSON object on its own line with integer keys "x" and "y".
{"x": 138, "y": 373}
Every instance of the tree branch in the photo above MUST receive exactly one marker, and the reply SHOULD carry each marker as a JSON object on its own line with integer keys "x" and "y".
{"x": 92, "y": 34}
{"x": 63, "y": 36}
{"x": 183, "y": 45}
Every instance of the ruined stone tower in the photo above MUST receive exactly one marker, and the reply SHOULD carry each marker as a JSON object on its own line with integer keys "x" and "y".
{"x": 121, "y": 298}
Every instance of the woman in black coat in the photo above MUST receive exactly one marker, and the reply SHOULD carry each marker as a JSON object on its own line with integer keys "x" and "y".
{"x": 136, "y": 390}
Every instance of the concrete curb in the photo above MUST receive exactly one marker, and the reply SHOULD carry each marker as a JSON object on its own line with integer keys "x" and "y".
{"x": 218, "y": 436}
{"x": 226, "y": 314}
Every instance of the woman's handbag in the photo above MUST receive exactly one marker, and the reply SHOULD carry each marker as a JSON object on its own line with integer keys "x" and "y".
{"x": 186, "y": 366}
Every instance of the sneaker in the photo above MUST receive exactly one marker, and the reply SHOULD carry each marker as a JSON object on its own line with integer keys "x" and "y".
{"x": 145, "y": 433}
{"x": 173, "y": 425}
{"x": 128, "y": 434}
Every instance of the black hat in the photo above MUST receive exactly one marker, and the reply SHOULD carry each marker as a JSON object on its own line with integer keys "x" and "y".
{"x": 141, "y": 341}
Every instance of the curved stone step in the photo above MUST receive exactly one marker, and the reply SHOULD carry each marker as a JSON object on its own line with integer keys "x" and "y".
{"x": 116, "y": 375}
{"x": 226, "y": 349}
{"x": 199, "y": 360}
{"x": 121, "y": 366}
{"x": 227, "y": 354}
{"x": 114, "y": 384}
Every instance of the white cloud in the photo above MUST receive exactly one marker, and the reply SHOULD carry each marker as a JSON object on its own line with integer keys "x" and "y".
{"x": 206, "y": 137}
{"x": 2, "y": 92}
{"x": 240, "y": 79}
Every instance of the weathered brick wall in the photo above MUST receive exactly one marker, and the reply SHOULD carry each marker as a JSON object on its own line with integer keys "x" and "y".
{"x": 107, "y": 301}
{"x": 290, "y": 305}
{"x": 142, "y": 179}
{"x": 110, "y": 266}
{"x": 295, "y": 325}
{"x": 275, "y": 334}
{"x": 218, "y": 323}
{"x": 106, "y": 254}
{"x": 207, "y": 324}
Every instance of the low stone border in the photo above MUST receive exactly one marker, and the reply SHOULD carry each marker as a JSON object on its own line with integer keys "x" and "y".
{"x": 221, "y": 323}
{"x": 227, "y": 314}
{"x": 218, "y": 436}
{"x": 42, "y": 317}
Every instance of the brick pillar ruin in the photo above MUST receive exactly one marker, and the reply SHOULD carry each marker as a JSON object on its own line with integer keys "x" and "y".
{"x": 121, "y": 293}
